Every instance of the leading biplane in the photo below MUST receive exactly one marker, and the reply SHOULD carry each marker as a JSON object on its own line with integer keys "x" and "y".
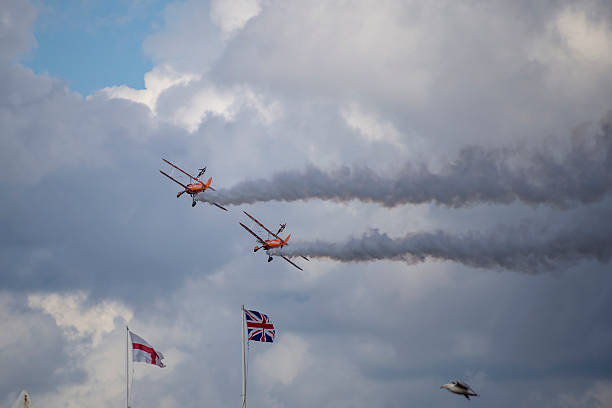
{"x": 268, "y": 244}
{"x": 195, "y": 186}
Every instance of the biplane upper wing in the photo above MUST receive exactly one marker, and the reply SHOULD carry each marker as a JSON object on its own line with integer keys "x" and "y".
{"x": 254, "y": 234}
{"x": 262, "y": 226}
{"x": 173, "y": 179}
{"x": 181, "y": 170}
{"x": 288, "y": 260}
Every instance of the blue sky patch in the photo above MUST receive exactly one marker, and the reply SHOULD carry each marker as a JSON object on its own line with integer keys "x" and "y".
{"x": 93, "y": 44}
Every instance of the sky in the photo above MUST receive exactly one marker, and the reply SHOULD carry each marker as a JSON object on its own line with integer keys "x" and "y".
{"x": 446, "y": 167}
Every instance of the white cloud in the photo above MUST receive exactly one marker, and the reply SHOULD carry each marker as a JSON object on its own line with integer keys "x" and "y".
{"x": 232, "y": 15}
{"x": 188, "y": 99}
{"x": 586, "y": 39}
{"x": 371, "y": 127}
{"x": 158, "y": 80}
{"x": 77, "y": 318}
{"x": 286, "y": 359}
{"x": 205, "y": 99}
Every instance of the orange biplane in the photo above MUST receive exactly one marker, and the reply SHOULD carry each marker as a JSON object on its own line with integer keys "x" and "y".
{"x": 268, "y": 244}
{"x": 195, "y": 186}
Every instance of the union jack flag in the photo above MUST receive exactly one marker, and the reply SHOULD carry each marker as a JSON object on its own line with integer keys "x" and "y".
{"x": 259, "y": 326}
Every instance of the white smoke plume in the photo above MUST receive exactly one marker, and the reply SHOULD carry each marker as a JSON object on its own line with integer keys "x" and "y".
{"x": 581, "y": 175}
{"x": 524, "y": 248}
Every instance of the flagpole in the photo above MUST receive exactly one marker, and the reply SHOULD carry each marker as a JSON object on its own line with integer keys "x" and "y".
{"x": 127, "y": 381}
{"x": 243, "y": 363}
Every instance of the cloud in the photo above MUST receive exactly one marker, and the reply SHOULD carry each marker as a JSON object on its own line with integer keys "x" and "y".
{"x": 284, "y": 361}
{"x": 160, "y": 79}
{"x": 16, "y": 23}
{"x": 78, "y": 320}
{"x": 233, "y": 15}
{"x": 585, "y": 38}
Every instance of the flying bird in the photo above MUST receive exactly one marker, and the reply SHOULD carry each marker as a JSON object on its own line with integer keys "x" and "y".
{"x": 461, "y": 388}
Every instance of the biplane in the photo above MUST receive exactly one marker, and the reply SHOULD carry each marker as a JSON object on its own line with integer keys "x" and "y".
{"x": 268, "y": 244}
{"x": 195, "y": 186}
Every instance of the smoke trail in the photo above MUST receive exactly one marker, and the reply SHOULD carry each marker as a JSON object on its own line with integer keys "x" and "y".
{"x": 525, "y": 248}
{"x": 583, "y": 175}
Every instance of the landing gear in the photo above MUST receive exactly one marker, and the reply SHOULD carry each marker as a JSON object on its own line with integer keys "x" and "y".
{"x": 269, "y": 258}
{"x": 193, "y": 203}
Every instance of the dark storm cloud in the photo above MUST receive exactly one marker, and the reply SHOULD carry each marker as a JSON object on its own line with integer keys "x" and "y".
{"x": 581, "y": 175}
{"x": 526, "y": 247}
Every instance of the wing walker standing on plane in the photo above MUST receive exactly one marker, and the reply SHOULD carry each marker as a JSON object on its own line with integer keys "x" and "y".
{"x": 195, "y": 186}
{"x": 267, "y": 244}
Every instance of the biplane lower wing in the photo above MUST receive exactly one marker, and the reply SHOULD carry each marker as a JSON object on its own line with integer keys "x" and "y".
{"x": 173, "y": 179}
{"x": 221, "y": 207}
{"x": 288, "y": 260}
{"x": 254, "y": 234}
{"x": 305, "y": 258}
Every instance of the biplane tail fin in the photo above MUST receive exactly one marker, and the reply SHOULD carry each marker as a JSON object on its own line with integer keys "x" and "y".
{"x": 286, "y": 239}
{"x": 208, "y": 183}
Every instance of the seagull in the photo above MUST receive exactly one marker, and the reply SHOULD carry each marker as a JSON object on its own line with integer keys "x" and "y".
{"x": 461, "y": 388}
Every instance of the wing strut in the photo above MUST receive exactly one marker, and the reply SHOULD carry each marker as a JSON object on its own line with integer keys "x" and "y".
{"x": 262, "y": 226}
{"x": 181, "y": 170}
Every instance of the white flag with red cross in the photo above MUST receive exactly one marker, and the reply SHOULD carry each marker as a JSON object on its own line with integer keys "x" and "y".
{"x": 143, "y": 352}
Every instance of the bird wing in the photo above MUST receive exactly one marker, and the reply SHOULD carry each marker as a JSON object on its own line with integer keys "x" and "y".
{"x": 461, "y": 384}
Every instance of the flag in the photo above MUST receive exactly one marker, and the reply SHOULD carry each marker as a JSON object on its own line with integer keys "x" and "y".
{"x": 259, "y": 326}
{"x": 143, "y": 352}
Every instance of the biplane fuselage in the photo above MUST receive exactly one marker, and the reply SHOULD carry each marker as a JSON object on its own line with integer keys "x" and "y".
{"x": 195, "y": 188}
{"x": 272, "y": 243}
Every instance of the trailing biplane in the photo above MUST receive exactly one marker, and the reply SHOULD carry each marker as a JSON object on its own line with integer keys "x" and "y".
{"x": 195, "y": 186}
{"x": 268, "y": 244}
